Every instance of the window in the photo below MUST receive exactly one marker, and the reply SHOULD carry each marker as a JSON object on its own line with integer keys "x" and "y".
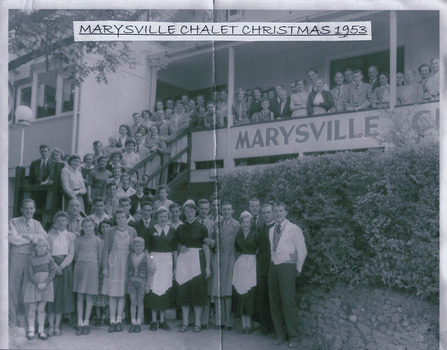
{"x": 52, "y": 94}
{"x": 24, "y": 95}
{"x": 67, "y": 95}
{"x": 46, "y": 94}
{"x": 210, "y": 164}
{"x": 233, "y": 15}
{"x": 264, "y": 160}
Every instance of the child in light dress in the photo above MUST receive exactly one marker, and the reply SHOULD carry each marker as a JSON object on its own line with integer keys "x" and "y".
{"x": 88, "y": 256}
{"x": 39, "y": 288}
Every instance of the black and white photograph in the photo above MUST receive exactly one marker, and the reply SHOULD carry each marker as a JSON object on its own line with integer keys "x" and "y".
{"x": 214, "y": 176}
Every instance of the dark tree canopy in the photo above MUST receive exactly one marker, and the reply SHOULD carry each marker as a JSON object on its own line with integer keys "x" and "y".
{"x": 49, "y": 34}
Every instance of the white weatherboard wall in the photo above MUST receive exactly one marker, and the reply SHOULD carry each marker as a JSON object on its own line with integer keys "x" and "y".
{"x": 103, "y": 108}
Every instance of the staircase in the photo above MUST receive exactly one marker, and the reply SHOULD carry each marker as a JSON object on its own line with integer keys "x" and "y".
{"x": 54, "y": 192}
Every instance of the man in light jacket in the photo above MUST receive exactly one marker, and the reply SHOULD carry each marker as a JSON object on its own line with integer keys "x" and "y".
{"x": 288, "y": 252}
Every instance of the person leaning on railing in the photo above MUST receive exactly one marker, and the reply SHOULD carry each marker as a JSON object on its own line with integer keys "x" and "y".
{"x": 240, "y": 108}
{"x": 410, "y": 93}
{"x": 432, "y": 84}
{"x": 298, "y": 100}
{"x": 358, "y": 93}
{"x": 319, "y": 101}
{"x": 380, "y": 98}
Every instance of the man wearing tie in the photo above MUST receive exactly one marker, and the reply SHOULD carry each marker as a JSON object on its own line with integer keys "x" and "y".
{"x": 358, "y": 93}
{"x": 262, "y": 270}
{"x": 210, "y": 222}
{"x": 39, "y": 174}
{"x": 254, "y": 207}
{"x": 288, "y": 252}
{"x": 339, "y": 93}
{"x": 373, "y": 73}
{"x": 23, "y": 231}
{"x": 142, "y": 227}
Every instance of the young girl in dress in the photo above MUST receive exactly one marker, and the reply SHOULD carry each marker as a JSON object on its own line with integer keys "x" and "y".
{"x": 244, "y": 273}
{"x": 140, "y": 269}
{"x": 101, "y": 301}
{"x": 88, "y": 254}
{"x": 114, "y": 262}
{"x": 62, "y": 248}
{"x": 39, "y": 289}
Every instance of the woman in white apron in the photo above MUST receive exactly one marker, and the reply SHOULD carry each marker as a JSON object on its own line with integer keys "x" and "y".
{"x": 193, "y": 266}
{"x": 162, "y": 244}
{"x": 244, "y": 273}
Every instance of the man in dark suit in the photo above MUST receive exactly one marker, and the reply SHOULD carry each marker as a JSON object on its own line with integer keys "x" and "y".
{"x": 137, "y": 200}
{"x": 144, "y": 225}
{"x": 282, "y": 109}
{"x": 143, "y": 228}
{"x": 39, "y": 174}
{"x": 254, "y": 207}
{"x": 373, "y": 73}
{"x": 39, "y": 170}
{"x": 262, "y": 271}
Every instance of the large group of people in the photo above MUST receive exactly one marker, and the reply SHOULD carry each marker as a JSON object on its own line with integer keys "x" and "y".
{"x": 176, "y": 255}
{"x": 155, "y": 132}
{"x": 309, "y": 96}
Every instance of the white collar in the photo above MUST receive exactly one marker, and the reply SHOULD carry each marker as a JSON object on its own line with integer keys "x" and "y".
{"x": 159, "y": 229}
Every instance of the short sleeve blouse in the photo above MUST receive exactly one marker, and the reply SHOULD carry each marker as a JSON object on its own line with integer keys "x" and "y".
{"x": 192, "y": 235}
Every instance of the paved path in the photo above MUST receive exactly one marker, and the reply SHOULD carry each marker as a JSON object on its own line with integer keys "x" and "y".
{"x": 99, "y": 338}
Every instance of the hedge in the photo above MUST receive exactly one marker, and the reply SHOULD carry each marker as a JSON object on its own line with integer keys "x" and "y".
{"x": 368, "y": 217}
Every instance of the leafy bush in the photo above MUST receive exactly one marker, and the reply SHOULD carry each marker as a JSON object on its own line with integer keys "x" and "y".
{"x": 368, "y": 217}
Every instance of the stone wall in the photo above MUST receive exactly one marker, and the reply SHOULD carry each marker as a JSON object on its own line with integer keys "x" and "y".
{"x": 366, "y": 318}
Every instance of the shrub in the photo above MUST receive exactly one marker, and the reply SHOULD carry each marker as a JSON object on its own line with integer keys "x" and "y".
{"x": 368, "y": 217}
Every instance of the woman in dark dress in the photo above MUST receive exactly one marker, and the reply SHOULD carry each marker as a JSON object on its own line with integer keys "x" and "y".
{"x": 244, "y": 274}
{"x": 162, "y": 245}
{"x": 193, "y": 266}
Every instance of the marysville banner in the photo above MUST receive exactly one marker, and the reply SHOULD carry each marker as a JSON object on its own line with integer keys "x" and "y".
{"x": 324, "y": 133}
{"x": 328, "y": 132}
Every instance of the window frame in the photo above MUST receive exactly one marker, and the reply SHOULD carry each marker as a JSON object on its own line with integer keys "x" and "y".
{"x": 34, "y": 92}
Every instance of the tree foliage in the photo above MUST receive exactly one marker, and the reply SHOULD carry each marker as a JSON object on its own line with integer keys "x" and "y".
{"x": 49, "y": 34}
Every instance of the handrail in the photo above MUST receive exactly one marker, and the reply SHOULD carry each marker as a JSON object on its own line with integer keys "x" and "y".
{"x": 184, "y": 174}
{"x": 20, "y": 189}
{"x": 165, "y": 166}
{"x": 146, "y": 160}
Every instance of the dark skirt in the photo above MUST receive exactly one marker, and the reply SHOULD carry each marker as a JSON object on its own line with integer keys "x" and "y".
{"x": 244, "y": 304}
{"x": 160, "y": 302}
{"x": 194, "y": 292}
{"x": 63, "y": 290}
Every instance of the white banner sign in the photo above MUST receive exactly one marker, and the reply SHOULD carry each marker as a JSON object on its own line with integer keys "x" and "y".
{"x": 221, "y": 31}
